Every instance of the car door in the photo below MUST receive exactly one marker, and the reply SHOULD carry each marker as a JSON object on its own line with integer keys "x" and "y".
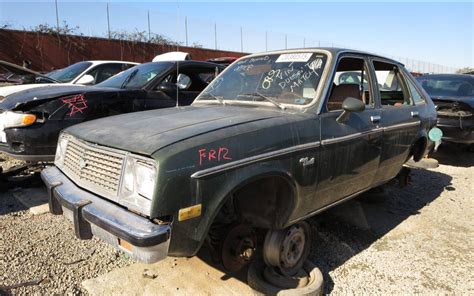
{"x": 350, "y": 150}
{"x": 399, "y": 117}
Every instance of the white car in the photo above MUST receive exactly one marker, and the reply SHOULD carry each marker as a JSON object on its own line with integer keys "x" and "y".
{"x": 85, "y": 72}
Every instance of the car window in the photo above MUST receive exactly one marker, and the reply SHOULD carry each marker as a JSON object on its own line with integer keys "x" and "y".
{"x": 197, "y": 78}
{"x": 417, "y": 98}
{"x": 449, "y": 85}
{"x": 138, "y": 76}
{"x": 104, "y": 72}
{"x": 288, "y": 78}
{"x": 207, "y": 76}
{"x": 393, "y": 92}
{"x": 348, "y": 82}
{"x": 69, "y": 73}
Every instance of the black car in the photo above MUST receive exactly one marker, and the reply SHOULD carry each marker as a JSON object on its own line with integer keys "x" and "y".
{"x": 30, "y": 120}
{"x": 453, "y": 95}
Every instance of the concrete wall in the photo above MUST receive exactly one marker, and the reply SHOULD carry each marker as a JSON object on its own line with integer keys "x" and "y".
{"x": 50, "y": 51}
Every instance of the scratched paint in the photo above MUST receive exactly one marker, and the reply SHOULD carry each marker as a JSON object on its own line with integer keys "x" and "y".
{"x": 76, "y": 104}
{"x": 213, "y": 155}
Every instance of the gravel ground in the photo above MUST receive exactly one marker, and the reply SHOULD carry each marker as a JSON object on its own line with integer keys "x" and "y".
{"x": 421, "y": 237}
{"x": 419, "y": 240}
{"x": 40, "y": 253}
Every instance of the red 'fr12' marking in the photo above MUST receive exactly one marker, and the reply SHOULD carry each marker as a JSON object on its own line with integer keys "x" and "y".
{"x": 213, "y": 155}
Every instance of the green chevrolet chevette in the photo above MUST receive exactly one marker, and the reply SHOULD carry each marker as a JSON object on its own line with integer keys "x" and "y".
{"x": 276, "y": 138}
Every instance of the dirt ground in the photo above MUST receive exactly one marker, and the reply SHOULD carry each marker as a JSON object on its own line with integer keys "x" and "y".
{"x": 417, "y": 239}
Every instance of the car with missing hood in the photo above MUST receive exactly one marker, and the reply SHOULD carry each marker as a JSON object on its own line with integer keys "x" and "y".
{"x": 30, "y": 120}
{"x": 453, "y": 95}
{"x": 274, "y": 139}
{"x": 83, "y": 73}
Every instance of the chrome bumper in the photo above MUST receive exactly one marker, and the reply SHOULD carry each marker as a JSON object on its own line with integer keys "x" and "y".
{"x": 94, "y": 216}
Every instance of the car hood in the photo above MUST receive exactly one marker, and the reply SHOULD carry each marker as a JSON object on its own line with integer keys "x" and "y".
{"x": 39, "y": 94}
{"x": 8, "y": 90}
{"x": 149, "y": 131}
{"x": 467, "y": 100}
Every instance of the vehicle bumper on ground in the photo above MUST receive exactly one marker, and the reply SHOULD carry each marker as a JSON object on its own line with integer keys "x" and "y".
{"x": 457, "y": 129}
{"x": 92, "y": 215}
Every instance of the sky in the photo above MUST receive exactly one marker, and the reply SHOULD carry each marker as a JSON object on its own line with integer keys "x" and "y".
{"x": 436, "y": 32}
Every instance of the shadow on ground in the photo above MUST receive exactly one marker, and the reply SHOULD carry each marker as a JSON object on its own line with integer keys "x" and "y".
{"x": 337, "y": 236}
{"x": 454, "y": 155}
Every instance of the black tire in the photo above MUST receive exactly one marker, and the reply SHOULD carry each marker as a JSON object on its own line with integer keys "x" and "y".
{"x": 257, "y": 282}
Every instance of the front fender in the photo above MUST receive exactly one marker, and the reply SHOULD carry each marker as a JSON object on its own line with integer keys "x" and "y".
{"x": 215, "y": 189}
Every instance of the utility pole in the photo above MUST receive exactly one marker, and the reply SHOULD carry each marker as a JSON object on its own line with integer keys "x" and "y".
{"x": 186, "y": 28}
{"x": 215, "y": 35}
{"x": 266, "y": 41}
{"x": 149, "y": 31}
{"x": 304, "y": 42}
{"x": 57, "y": 15}
{"x": 286, "y": 41}
{"x": 108, "y": 20}
{"x": 241, "y": 40}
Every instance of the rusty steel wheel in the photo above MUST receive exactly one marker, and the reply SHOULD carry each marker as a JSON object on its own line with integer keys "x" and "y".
{"x": 288, "y": 249}
{"x": 238, "y": 247}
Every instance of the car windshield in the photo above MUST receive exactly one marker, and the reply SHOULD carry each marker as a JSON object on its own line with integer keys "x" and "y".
{"x": 442, "y": 86}
{"x": 69, "y": 73}
{"x": 138, "y": 76}
{"x": 280, "y": 79}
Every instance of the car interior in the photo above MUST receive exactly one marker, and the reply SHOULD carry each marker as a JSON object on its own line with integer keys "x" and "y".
{"x": 348, "y": 83}
{"x": 393, "y": 91}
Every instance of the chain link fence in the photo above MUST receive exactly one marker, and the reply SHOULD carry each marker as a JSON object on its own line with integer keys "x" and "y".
{"x": 113, "y": 20}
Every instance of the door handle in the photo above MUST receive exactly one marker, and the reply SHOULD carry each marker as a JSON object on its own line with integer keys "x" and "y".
{"x": 375, "y": 119}
{"x": 414, "y": 114}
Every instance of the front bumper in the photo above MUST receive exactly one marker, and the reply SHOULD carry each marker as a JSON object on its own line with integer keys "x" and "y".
{"x": 94, "y": 216}
{"x": 457, "y": 130}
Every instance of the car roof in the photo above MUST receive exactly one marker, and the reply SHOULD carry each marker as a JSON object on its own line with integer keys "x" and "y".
{"x": 446, "y": 76}
{"x": 189, "y": 63}
{"x": 334, "y": 51}
{"x": 99, "y": 62}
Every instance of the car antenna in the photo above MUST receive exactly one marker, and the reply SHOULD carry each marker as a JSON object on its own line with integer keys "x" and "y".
{"x": 177, "y": 49}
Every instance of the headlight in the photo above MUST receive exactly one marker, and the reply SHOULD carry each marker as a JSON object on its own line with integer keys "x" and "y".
{"x": 14, "y": 119}
{"x": 138, "y": 183}
{"x": 61, "y": 150}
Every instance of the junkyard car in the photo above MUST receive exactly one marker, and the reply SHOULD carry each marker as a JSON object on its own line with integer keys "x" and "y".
{"x": 83, "y": 73}
{"x": 11, "y": 74}
{"x": 274, "y": 139}
{"x": 453, "y": 95}
{"x": 30, "y": 120}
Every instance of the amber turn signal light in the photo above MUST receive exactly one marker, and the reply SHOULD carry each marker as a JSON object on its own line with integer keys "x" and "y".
{"x": 28, "y": 119}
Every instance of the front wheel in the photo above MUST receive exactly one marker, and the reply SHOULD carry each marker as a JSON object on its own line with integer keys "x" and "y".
{"x": 287, "y": 249}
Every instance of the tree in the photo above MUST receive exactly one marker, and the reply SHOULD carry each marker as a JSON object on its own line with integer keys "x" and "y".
{"x": 465, "y": 70}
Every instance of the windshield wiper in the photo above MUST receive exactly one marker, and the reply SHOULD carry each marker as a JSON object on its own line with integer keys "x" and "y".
{"x": 257, "y": 94}
{"x": 127, "y": 80}
{"x": 219, "y": 99}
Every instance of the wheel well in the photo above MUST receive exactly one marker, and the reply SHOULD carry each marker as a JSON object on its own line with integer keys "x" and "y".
{"x": 418, "y": 149}
{"x": 265, "y": 202}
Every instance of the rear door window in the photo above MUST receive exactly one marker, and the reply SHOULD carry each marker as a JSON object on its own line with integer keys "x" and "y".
{"x": 414, "y": 93}
{"x": 391, "y": 85}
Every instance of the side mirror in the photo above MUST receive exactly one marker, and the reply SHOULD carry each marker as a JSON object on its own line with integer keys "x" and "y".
{"x": 349, "y": 105}
{"x": 183, "y": 81}
{"x": 86, "y": 79}
{"x": 167, "y": 86}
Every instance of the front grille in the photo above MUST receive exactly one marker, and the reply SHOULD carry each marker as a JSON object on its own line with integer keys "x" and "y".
{"x": 93, "y": 167}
